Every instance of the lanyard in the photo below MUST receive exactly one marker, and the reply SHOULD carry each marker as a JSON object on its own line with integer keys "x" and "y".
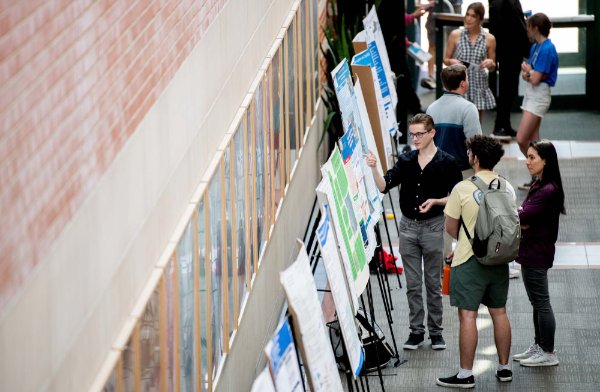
{"x": 536, "y": 52}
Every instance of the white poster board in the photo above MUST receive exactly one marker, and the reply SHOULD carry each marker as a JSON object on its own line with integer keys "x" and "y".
{"x": 339, "y": 290}
{"x": 264, "y": 382}
{"x": 376, "y": 47}
{"x": 301, "y": 292}
{"x": 283, "y": 360}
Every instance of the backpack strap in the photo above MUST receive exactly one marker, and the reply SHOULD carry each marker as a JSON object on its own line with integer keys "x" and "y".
{"x": 479, "y": 183}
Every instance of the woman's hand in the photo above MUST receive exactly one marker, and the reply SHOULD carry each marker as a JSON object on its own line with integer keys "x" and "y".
{"x": 487, "y": 64}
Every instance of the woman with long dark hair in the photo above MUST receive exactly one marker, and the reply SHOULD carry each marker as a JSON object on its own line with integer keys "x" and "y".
{"x": 539, "y": 215}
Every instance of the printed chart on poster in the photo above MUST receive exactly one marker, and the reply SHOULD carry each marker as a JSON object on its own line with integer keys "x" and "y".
{"x": 301, "y": 293}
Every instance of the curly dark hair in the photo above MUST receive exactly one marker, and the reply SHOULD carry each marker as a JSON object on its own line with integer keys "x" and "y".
{"x": 487, "y": 149}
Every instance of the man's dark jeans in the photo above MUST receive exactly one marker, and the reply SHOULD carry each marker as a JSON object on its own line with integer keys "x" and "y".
{"x": 536, "y": 285}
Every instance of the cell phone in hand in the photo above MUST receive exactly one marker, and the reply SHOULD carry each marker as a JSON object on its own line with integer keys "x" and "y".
{"x": 465, "y": 63}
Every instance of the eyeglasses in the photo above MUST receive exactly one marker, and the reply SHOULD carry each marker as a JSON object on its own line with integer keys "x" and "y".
{"x": 418, "y": 135}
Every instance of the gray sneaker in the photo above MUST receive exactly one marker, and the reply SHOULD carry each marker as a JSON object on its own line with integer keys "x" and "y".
{"x": 534, "y": 348}
{"x": 540, "y": 359}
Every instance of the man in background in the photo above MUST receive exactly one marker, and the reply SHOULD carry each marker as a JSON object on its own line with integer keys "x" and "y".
{"x": 507, "y": 24}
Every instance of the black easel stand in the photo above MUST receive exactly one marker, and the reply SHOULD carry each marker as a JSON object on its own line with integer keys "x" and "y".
{"x": 349, "y": 378}
{"x": 387, "y": 231}
{"x": 371, "y": 321}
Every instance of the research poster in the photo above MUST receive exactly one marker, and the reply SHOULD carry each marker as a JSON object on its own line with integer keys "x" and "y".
{"x": 339, "y": 290}
{"x": 283, "y": 361}
{"x": 347, "y": 229}
{"x": 376, "y": 47}
{"x": 301, "y": 293}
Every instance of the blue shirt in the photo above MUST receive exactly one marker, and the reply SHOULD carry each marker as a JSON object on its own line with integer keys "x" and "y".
{"x": 544, "y": 59}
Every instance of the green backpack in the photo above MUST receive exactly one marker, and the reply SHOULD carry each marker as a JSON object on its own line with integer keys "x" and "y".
{"x": 497, "y": 229}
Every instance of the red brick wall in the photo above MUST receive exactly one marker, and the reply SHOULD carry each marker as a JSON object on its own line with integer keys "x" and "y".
{"x": 76, "y": 79}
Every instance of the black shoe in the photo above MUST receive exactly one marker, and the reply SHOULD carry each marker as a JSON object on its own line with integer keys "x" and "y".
{"x": 428, "y": 83}
{"x": 504, "y": 375}
{"x": 414, "y": 341}
{"x": 455, "y": 382}
{"x": 502, "y": 135}
{"x": 437, "y": 342}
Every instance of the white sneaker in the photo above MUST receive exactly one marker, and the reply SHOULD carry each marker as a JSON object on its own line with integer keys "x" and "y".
{"x": 534, "y": 348}
{"x": 513, "y": 273}
{"x": 540, "y": 359}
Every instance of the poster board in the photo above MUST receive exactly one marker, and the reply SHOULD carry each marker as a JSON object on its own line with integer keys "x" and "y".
{"x": 317, "y": 354}
{"x": 363, "y": 192}
{"x": 363, "y": 68}
{"x": 333, "y": 190}
{"x": 339, "y": 291}
{"x": 283, "y": 361}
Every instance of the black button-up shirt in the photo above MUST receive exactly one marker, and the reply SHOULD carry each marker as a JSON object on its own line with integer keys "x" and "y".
{"x": 435, "y": 181}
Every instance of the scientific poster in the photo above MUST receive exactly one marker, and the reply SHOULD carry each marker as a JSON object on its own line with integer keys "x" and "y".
{"x": 333, "y": 189}
{"x": 264, "y": 382}
{"x": 301, "y": 292}
{"x": 376, "y": 47}
{"x": 339, "y": 290}
{"x": 283, "y": 361}
{"x": 376, "y": 103}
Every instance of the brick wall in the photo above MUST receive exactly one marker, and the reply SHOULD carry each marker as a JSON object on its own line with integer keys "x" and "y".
{"x": 76, "y": 79}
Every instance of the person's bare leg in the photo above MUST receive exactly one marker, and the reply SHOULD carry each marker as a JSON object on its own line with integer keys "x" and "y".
{"x": 502, "y": 333}
{"x": 481, "y": 117}
{"x": 431, "y": 62}
{"x": 528, "y": 129}
{"x": 467, "y": 340}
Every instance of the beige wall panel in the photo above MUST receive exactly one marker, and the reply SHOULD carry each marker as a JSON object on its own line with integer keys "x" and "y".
{"x": 59, "y": 329}
{"x": 263, "y": 308}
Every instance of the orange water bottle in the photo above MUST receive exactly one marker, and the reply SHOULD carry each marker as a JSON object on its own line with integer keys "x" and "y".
{"x": 446, "y": 278}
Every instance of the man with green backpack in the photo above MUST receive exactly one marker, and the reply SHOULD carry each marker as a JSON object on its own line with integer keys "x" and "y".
{"x": 481, "y": 214}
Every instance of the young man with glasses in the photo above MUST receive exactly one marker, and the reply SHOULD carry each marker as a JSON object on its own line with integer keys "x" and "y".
{"x": 455, "y": 117}
{"x": 427, "y": 176}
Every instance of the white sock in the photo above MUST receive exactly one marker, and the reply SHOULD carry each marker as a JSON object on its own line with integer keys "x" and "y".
{"x": 464, "y": 373}
{"x": 502, "y": 367}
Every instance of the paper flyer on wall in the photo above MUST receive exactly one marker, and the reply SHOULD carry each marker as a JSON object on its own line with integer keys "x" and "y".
{"x": 264, "y": 383}
{"x": 301, "y": 293}
{"x": 339, "y": 290}
{"x": 324, "y": 193}
{"x": 283, "y": 361}
{"x": 376, "y": 46}
{"x": 347, "y": 230}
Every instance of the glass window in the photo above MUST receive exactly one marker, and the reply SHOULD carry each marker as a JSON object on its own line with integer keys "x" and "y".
{"x": 185, "y": 270}
{"x": 258, "y": 148}
{"x": 202, "y": 262}
{"x": 216, "y": 261}
{"x": 169, "y": 278}
{"x": 150, "y": 344}
{"x": 240, "y": 211}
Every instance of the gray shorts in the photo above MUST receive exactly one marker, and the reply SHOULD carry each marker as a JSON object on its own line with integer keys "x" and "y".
{"x": 537, "y": 99}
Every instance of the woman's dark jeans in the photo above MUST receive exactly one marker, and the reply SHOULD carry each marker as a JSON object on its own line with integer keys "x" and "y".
{"x": 536, "y": 285}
